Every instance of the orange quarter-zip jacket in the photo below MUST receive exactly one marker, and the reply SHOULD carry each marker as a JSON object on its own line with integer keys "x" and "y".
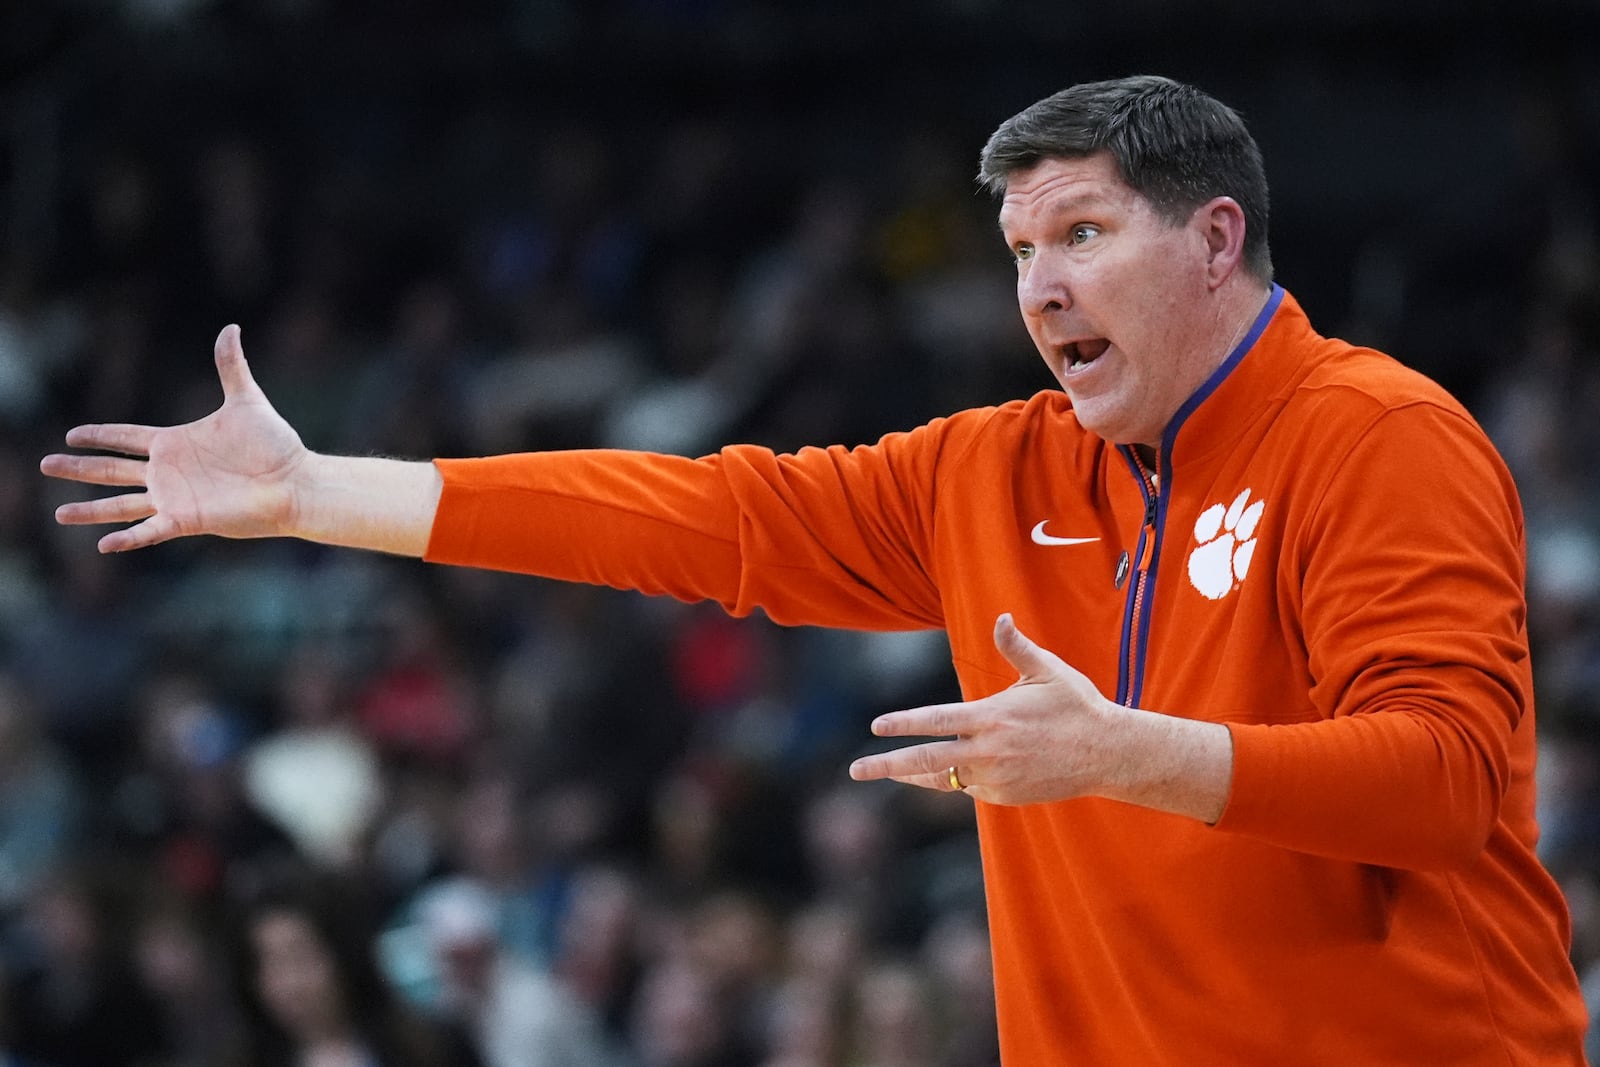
{"x": 1327, "y": 558}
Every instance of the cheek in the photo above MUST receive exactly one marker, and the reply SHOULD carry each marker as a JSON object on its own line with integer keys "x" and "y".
{"x": 1150, "y": 318}
{"x": 1035, "y": 327}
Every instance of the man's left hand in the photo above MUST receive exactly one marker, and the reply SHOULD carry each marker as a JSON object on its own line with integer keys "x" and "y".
{"x": 1044, "y": 738}
{"x": 1053, "y": 736}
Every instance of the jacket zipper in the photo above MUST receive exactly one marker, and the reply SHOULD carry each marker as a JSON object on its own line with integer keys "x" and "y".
{"x": 1135, "y": 632}
{"x": 1136, "y": 613}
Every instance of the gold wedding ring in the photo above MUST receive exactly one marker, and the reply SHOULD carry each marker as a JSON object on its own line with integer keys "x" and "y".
{"x": 955, "y": 781}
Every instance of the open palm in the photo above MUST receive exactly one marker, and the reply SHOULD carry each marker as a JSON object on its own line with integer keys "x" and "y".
{"x": 231, "y": 473}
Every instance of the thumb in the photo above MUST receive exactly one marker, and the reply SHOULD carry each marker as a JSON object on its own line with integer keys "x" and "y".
{"x": 231, "y": 367}
{"x": 1029, "y": 659}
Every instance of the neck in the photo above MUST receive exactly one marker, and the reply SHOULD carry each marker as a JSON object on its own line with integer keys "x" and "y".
{"x": 1236, "y": 312}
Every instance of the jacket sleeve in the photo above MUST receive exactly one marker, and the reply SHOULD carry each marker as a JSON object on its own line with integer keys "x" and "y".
{"x": 834, "y": 537}
{"x": 1411, "y": 598}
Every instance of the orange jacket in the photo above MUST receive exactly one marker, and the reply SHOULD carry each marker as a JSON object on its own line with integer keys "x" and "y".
{"x": 1332, "y": 566}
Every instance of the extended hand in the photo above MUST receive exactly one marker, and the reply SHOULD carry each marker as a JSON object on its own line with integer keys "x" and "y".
{"x": 231, "y": 473}
{"x": 1053, "y": 736}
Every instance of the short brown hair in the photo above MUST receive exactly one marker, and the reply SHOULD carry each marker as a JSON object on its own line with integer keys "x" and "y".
{"x": 1174, "y": 145}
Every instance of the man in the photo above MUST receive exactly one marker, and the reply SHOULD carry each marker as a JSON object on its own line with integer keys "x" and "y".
{"x": 1279, "y": 808}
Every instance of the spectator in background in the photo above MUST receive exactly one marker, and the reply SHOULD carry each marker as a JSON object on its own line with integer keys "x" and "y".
{"x": 501, "y": 841}
{"x": 181, "y": 800}
{"x": 681, "y": 1020}
{"x": 895, "y": 1022}
{"x": 856, "y": 860}
{"x": 316, "y": 776}
{"x": 514, "y": 1014}
{"x": 23, "y": 585}
{"x": 312, "y": 992}
{"x": 178, "y": 961}
{"x": 41, "y": 800}
{"x": 601, "y": 944}
{"x": 955, "y": 957}
{"x": 396, "y": 393}
{"x": 81, "y": 659}
{"x": 807, "y": 1026}
{"x": 77, "y": 1001}
{"x": 419, "y": 704}
{"x": 733, "y": 937}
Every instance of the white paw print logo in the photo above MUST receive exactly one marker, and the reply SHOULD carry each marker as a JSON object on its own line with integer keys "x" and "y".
{"x": 1225, "y": 543}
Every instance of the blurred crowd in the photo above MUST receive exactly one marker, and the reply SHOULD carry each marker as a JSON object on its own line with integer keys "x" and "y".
{"x": 268, "y": 803}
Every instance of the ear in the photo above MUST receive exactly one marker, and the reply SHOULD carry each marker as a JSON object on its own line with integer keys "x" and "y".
{"x": 1221, "y": 222}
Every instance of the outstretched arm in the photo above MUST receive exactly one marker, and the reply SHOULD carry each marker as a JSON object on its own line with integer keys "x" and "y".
{"x": 242, "y": 471}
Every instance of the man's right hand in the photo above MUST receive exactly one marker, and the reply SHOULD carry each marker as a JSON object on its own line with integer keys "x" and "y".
{"x": 242, "y": 471}
{"x": 231, "y": 473}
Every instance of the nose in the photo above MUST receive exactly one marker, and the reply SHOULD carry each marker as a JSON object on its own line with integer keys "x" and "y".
{"x": 1041, "y": 288}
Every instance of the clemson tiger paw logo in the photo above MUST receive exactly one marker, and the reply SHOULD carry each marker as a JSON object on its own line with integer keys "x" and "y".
{"x": 1225, "y": 542}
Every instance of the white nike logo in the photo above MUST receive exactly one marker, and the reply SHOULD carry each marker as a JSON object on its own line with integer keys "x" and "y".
{"x": 1042, "y": 538}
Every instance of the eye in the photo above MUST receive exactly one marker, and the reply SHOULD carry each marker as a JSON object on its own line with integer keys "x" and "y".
{"x": 1022, "y": 253}
{"x": 1082, "y": 232}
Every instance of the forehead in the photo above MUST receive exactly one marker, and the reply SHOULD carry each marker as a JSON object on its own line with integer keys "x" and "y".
{"x": 1053, "y": 185}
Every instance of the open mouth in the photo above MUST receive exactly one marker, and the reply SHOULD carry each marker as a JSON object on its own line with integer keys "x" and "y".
{"x": 1080, "y": 354}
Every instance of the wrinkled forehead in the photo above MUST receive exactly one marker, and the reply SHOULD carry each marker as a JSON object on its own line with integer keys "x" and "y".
{"x": 1053, "y": 186}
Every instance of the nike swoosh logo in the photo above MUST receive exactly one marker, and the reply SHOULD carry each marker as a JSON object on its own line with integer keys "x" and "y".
{"x": 1042, "y": 538}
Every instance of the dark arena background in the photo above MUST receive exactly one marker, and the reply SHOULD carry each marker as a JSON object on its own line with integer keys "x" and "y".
{"x": 255, "y": 790}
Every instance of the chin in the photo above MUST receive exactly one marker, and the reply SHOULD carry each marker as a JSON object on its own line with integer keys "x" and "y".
{"x": 1109, "y": 422}
{"x": 1098, "y": 422}
{"x": 1116, "y": 434}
